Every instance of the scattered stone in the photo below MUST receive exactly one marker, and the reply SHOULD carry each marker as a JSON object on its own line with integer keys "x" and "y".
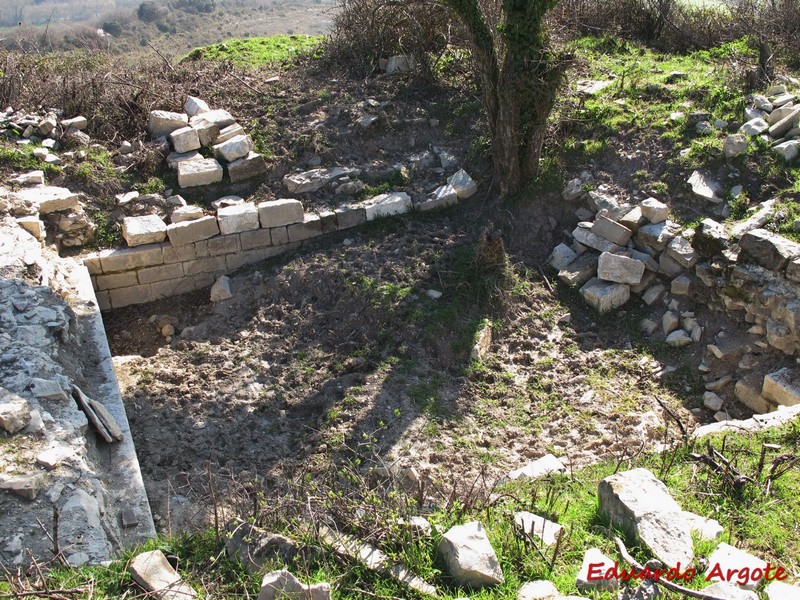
{"x": 767, "y": 249}
{"x": 787, "y": 150}
{"x": 483, "y": 343}
{"x": 14, "y": 412}
{"x": 253, "y": 547}
{"x": 152, "y": 571}
{"x": 48, "y": 199}
{"x": 31, "y": 178}
{"x": 657, "y": 235}
{"x": 74, "y": 124}
{"x": 444, "y": 195}
{"x": 681, "y": 251}
{"x": 605, "y": 296}
{"x": 463, "y": 184}
{"x": 706, "y": 529}
{"x": 654, "y": 210}
{"x": 311, "y": 181}
{"x": 603, "y": 203}
{"x": 469, "y": 556}
{"x": 669, "y": 322}
{"x": 385, "y": 205}
{"x": 639, "y": 504}
{"x": 619, "y": 268}
{"x": 654, "y": 294}
{"x": 755, "y": 126}
{"x": 539, "y": 468}
{"x": 147, "y": 229}
{"x": 195, "y": 106}
{"x": 680, "y": 286}
{"x": 718, "y": 384}
{"x": 24, "y": 486}
{"x": 54, "y": 456}
{"x": 220, "y": 118}
{"x": 585, "y": 236}
{"x": 538, "y": 590}
{"x": 534, "y": 525}
{"x": 611, "y": 230}
{"x": 282, "y": 584}
{"x": 47, "y": 389}
{"x": 779, "y": 129}
{"x": 705, "y": 188}
{"x": 710, "y": 238}
{"x": 221, "y": 290}
{"x": 735, "y": 145}
{"x": 712, "y": 401}
{"x": 229, "y": 132}
{"x": 727, "y": 591}
{"x": 574, "y": 190}
{"x": 592, "y": 572}
{"x": 726, "y": 557}
{"x": 648, "y": 326}
{"x": 633, "y": 219}
{"x": 400, "y": 64}
{"x": 103, "y": 421}
{"x": 208, "y": 133}
{"x": 778, "y": 590}
{"x": 678, "y": 339}
{"x": 561, "y": 256}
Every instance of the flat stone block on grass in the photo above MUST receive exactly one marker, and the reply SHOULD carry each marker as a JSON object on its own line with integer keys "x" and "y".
{"x": 592, "y": 573}
{"x": 779, "y": 590}
{"x": 152, "y": 571}
{"x": 249, "y": 166}
{"x": 726, "y": 558}
{"x": 535, "y": 526}
{"x": 238, "y": 218}
{"x": 187, "y": 232}
{"x": 199, "y": 172}
{"x": 277, "y": 213}
{"x": 385, "y": 205}
{"x": 147, "y": 229}
{"x": 539, "y": 468}
{"x": 605, "y": 296}
{"x": 469, "y": 556}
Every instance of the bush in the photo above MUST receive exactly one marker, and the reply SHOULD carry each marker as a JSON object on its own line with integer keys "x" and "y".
{"x": 197, "y": 6}
{"x": 365, "y": 31}
{"x": 112, "y": 28}
{"x": 149, "y": 11}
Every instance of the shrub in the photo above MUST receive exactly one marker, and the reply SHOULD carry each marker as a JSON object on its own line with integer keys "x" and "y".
{"x": 149, "y": 11}
{"x": 112, "y": 28}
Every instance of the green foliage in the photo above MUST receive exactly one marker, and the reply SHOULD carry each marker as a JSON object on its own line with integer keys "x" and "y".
{"x": 107, "y": 233}
{"x": 258, "y": 51}
{"x": 154, "y": 185}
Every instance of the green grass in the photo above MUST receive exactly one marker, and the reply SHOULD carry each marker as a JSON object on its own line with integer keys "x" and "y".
{"x": 761, "y": 522}
{"x": 258, "y": 51}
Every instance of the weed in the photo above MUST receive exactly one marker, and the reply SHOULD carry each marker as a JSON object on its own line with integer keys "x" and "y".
{"x": 258, "y": 51}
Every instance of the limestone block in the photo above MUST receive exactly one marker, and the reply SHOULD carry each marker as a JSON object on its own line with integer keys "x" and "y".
{"x": 195, "y": 106}
{"x": 633, "y": 219}
{"x": 654, "y": 210}
{"x": 605, "y": 296}
{"x": 186, "y": 213}
{"x": 585, "y": 236}
{"x": 221, "y": 290}
{"x": 779, "y": 590}
{"x": 767, "y": 249}
{"x": 755, "y": 126}
{"x": 385, "y": 205}
{"x": 444, "y": 195}
{"x": 238, "y": 218}
{"x": 349, "y": 216}
{"x": 276, "y": 213}
{"x": 33, "y": 225}
{"x": 779, "y": 129}
{"x": 680, "y": 285}
{"x": 185, "y": 140}
{"x": 192, "y": 173}
{"x": 678, "y": 339}
{"x": 669, "y": 266}
{"x": 246, "y": 167}
{"x": 788, "y": 151}
{"x": 734, "y": 145}
{"x": 705, "y": 187}
{"x": 619, "y": 269}
{"x": 309, "y": 228}
{"x": 611, "y": 230}
{"x": 48, "y": 199}
{"x": 538, "y": 590}
{"x": 24, "y": 486}
{"x": 187, "y": 232}
{"x": 463, "y": 184}
{"x": 535, "y": 526}
{"x": 14, "y": 412}
{"x": 74, "y": 124}
{"x": 710, "y": 238}
{"x": 580, "y": 270}
{"x": 728, "y": 591}
{"x": 727, "y": 557}
{"x": 469, "y": 556}
{"x": 207, "y": 132}
{"x": 639, "y": 504}
{"x": 235, "y": 148}
{"x": 279, "y": 585}
{"x": 311, "y": 181}
{"x": 231, "y": 131}
{"x": 592, "y": 573}
{"x": 155, "y": 575}
{"x": 657, "y": 235}
{"x": 782, "y": 387}
{"x": 220, "y": 118}
{"x": 561, "y": 256}
{"x": 654, "y": 294}
{"x": 175, "y": 158}
{"x": 161, "y": 123}
{"x": 147, "y": 229}
{"x": 603, "y": 203}
{"x": 539, "y": 468}
{"x": 681, "y": 251}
